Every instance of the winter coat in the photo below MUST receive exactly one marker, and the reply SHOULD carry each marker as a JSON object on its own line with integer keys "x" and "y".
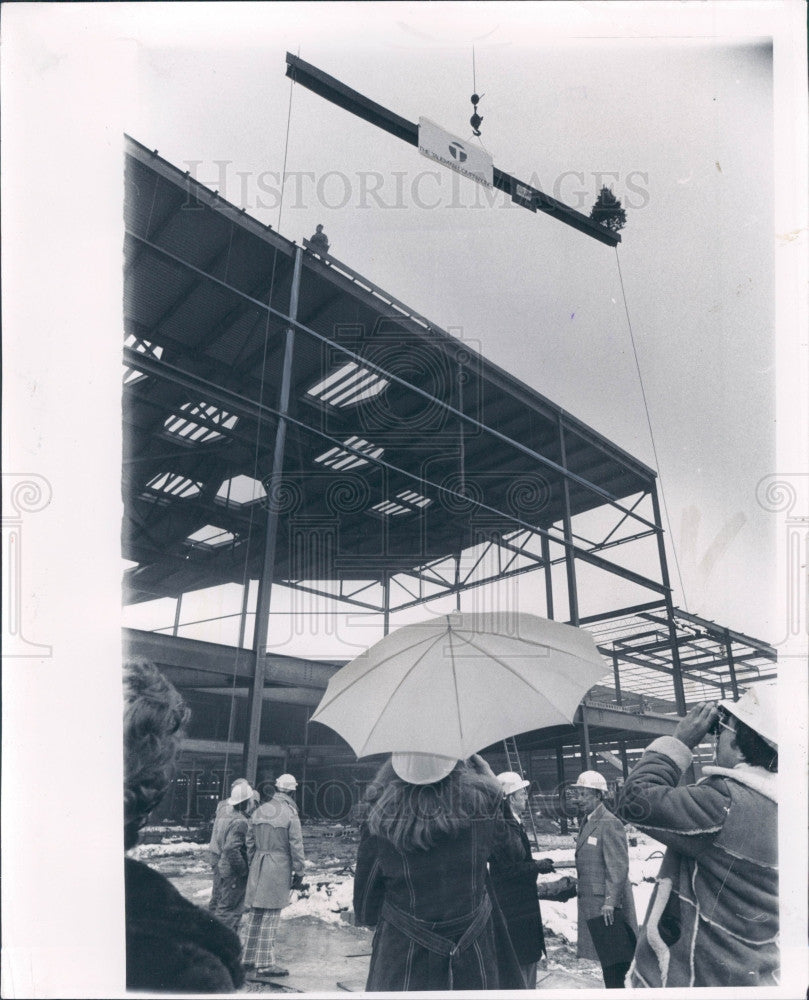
{"x": 233, "y": 857}
{"x": 424, "y": 902}
{"x": 602, "y": 869}
{"x": 224, "y": 810}
{"x": 274, "y": 851}
{"x": 713, "y": 917}
{"x": 514, "y": 880}
{"x": 172, "y": 945}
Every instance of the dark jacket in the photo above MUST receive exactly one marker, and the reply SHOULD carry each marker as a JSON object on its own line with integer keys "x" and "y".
{"x": 233, "y": 858}
{"x": 713, "y": 917}
{"x": 172, "y": 945}
{"x": 413, "y": 897}
{"x": 514, "y": 879}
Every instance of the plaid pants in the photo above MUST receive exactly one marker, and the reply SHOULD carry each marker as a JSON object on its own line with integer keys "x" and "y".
{"x": 259, "y": 928}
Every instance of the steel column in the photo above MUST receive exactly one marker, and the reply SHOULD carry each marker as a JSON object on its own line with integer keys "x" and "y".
{"x": 677, "y": 674}
{"x": 177, "y": 606}
{"x": 585, "y": 739}
{"x": 731, "y": 666}
{"x": 268, "y": 567}
{"x": 624, "y": 761}
{"x": 546, "y": 558}
{"x": 560, "y": 781}
{"x": 570, "y": 564}
{"x": 386, "y": 603}
{"x": 617, "y": 675}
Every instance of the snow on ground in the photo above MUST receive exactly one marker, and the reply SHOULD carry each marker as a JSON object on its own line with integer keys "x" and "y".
{"x": 330, "y": 897}
{"x": 644, "y": 864}
{"x": 143, "y": 852}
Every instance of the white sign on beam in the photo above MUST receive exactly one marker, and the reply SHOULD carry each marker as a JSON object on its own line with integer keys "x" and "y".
{"x": 450, "y": 151}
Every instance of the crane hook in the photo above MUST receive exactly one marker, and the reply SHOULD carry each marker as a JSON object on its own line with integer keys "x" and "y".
{"x": 476, "y": 120}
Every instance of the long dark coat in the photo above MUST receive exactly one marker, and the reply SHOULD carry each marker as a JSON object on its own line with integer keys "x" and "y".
{"x": 442, "y": 887}
{"x": 172, "y": 945}
{"x": 602, "y": 867}
{"x": 514, "y": 879}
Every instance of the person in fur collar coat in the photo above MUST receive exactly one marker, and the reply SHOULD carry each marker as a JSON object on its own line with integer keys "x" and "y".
{"x": 171, "y": 945}
{"x": 713, "y": 917}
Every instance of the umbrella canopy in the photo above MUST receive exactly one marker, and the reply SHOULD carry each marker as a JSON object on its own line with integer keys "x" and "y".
{"x": 460, "y": 682}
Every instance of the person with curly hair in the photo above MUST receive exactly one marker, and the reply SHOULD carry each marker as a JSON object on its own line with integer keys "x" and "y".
{"x": 421, "y": 877}
{"x": 171, "y": 945}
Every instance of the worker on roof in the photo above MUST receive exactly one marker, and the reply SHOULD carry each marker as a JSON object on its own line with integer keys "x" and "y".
{"x": 319, "y": 242}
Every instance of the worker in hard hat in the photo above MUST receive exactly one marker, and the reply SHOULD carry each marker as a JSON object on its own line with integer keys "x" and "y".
{"x": 275, "y": 854}
{"x": 231, "y": 866}
{"x": 514, "y": 871}
{"x": 602, "y": 868}
{"x": 713, "y": 917}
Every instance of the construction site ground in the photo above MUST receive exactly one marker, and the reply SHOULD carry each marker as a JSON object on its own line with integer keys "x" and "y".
{"x": 317, "y": 939}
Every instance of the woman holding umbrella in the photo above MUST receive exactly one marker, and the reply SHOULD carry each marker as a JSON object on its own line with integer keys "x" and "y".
{"x": 421, "y": 877}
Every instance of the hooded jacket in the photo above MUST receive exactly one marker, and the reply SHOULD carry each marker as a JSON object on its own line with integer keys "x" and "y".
{"x": 713, "y": 917}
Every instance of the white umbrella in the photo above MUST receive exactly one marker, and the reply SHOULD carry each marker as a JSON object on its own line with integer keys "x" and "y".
{"x": 458, "y": 683}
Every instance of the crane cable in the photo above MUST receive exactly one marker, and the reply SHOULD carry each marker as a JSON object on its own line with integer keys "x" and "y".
{"x": 652, "y": 438}
{"x": 245, "y": 573}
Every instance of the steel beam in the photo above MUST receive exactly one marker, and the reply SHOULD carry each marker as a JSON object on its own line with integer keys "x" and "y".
{"x": 478, "y": 425}
{"x": 375, "y": 114}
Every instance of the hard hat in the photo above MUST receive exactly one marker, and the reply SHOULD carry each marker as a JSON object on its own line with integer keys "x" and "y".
{"x": 286, "y": 783}
{"x": 512, "y": 782}
{"x": 240, "y": 792}
{"x": 422, "y": 768}
{"x": 592, "y": 779}
{"x": 758, "y": 709}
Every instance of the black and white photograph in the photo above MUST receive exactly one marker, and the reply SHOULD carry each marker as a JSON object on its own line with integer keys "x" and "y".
{"x": 405, "y": 498}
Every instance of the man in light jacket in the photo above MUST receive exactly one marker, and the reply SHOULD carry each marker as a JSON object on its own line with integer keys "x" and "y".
{"x": 713, "y": 917}
{"x": 275, "y": 855}
{"x": 602, "y": 867}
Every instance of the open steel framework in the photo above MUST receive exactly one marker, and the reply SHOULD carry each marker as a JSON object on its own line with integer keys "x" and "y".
{"x": 287, "y": 421}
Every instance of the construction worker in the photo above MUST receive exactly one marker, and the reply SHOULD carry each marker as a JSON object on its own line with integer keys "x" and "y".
{"x": 602, "y": 868}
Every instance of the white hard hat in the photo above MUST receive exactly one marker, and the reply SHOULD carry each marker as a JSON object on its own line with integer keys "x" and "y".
{"x": 758, "y": 709}
{"x": 240, "y": 792}
{"x": 512, "y": 782}
{"x": 286, "y": 783}
{"x": 592, "y": 779}
{"x": 422, "y": 768}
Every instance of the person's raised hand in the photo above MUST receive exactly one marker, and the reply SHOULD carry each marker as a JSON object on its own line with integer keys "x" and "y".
{"x": 694, "y": 727}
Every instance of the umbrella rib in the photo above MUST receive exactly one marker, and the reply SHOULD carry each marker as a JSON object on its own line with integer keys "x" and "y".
{"x": 497, "y": 659}
{"x": 524, "y": 642}
{"x": 408, "y": 672}
{"x": 455, "y": 682}
{"x": 338, "y": 694}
